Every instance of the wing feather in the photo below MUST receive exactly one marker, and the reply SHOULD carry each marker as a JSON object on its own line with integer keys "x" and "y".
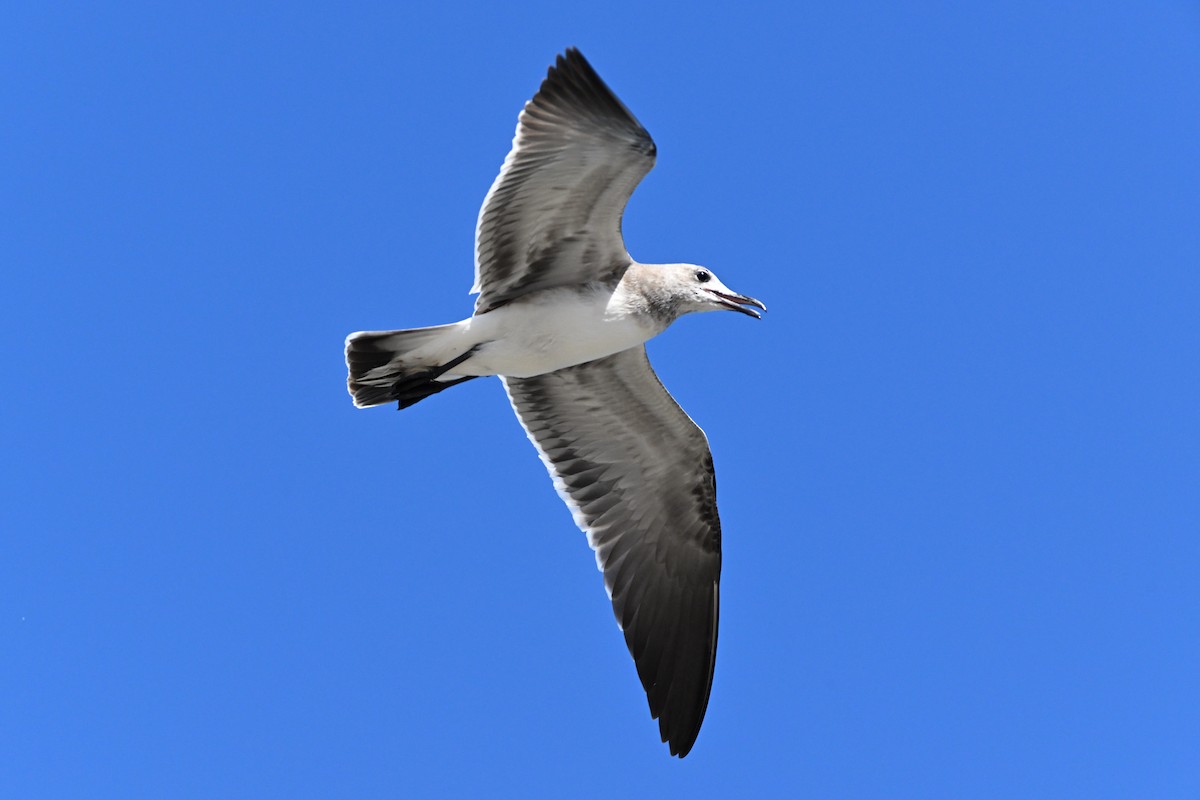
{"x": 553, "y": 215}
{"x": 637, "y": 475}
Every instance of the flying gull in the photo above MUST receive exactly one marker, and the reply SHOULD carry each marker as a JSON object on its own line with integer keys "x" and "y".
{"x": 562, "y": 317}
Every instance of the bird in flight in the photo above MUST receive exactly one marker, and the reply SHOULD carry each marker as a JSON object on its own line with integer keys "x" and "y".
{"x": 562, "y": 317}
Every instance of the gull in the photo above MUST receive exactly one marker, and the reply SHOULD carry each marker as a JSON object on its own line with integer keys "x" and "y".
{"x": 562, "y": 317}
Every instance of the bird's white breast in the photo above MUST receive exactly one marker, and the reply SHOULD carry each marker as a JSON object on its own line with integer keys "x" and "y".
{"x": 553, "y": 329}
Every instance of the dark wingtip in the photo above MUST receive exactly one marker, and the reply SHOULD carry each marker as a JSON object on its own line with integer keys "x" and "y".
{"x": 682, "y": 746}
{"x": 676, "y": 691}
{"x": 572, "y": 82}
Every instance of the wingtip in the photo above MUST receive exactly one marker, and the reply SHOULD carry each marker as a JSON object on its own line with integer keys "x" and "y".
{"x": 574, "y": 82}
{"x": 570, "y": 60}
{"x": 680, "y": 743}
{"x": 680, "y": 747}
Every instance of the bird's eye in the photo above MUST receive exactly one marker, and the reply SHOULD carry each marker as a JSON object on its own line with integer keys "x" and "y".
{"x": 703, "y": 275}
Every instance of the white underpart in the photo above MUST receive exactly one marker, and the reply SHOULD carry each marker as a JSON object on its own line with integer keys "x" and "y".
{"x": 549, "y": 330}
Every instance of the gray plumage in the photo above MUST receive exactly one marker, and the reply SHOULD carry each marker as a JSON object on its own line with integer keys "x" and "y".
{"x": 553, "y": 214}
{"x": 638, "y": 475}
{"x": 562, "y": 316}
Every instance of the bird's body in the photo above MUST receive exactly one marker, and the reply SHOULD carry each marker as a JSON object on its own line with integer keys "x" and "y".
{"x": 529, "y": 336}
{"x": 562, "y": 317}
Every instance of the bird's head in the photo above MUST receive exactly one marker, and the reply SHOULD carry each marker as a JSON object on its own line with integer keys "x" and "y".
{"x": 698, "y": 289}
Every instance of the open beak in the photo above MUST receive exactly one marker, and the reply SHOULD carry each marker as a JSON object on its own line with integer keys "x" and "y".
{"x": 738, "y": 302}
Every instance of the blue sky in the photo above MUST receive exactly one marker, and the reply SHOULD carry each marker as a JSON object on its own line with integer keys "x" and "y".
{"x": 959, "y": 461}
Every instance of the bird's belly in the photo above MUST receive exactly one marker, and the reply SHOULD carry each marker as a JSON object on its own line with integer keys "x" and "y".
{"x": 528, "y": 341}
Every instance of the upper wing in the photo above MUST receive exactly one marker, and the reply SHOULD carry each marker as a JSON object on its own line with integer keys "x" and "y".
{"x": 553, "y": 214}
{"x": 638, "y": 476}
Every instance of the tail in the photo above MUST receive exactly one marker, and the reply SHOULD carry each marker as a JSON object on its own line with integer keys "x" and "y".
{"x": 400, "y": 366}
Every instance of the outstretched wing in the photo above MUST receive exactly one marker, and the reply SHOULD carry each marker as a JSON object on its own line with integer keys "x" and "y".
{"x": 553, "y": 214}
{"x": 638, "y": 476}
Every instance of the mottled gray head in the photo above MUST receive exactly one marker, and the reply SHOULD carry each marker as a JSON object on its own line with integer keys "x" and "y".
{"x": 698, "y": 289}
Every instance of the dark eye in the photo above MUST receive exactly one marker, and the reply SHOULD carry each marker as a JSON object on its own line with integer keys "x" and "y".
{"x": 703, "y": 275}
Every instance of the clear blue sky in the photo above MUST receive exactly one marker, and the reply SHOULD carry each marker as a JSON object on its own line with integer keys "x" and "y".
{"x": 959, "y": 461}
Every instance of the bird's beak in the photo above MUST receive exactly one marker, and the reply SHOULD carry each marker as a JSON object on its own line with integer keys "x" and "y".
{"x": 738, "y": 302}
